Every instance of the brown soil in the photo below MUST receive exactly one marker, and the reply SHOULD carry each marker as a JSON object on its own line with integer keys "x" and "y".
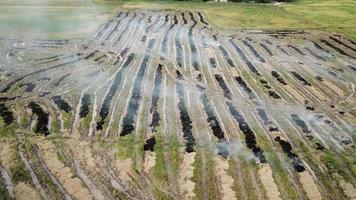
{"x": 348, "y": 189}
{"x": 226, "y": 181}
{"x": 309, "y": 186}
{"x": 24, "y": 191}
{"x": 6, "y": 153}
{"x": 124, "y": 169}
{"x": 150, "y": 161}
{"x": 186, "y": 175}
{"x": 265, "y": 174}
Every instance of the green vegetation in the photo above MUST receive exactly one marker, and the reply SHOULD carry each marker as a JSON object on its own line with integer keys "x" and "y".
{"x": 7, "y": 131}
{"x": 124, "y": 146}
{"x": 55, "y": 127}
{"x": 3, "y": 190}
{"x": 247, "y": 167}
{"x": 160, "y": 181}
{"x": 24, "y": 121}
{"x": 327, "y": 15}
{"x": 313, "y": 160}
{"x": 351, "y": 162}
{"x": 173, "y": 152}
{"x": 198, "y": 178}
{"x": 67, "y": 118}
{"x": 237, "y": 187}
{"x": 19, "y": 172}
{"x": 42, "y": 176}
{"x": 330, "y": 162}
{"x": 85, "y": 124}
{"x": 333, "y": 164}
{"x": 205, "y": 185}
{"x": 167, "y": 154}
{"x": 280, "y": 176}
{"x": 332, "y": 15}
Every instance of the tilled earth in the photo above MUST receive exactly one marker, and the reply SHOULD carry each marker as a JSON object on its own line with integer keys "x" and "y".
{"x": 160, "y": 105}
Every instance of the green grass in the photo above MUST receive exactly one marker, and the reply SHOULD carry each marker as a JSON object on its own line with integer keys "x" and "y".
{"x": 237, "y": 188}
{"x": 173, "y": 151}
{"x": 125, "y": 146}
{"x": 324, "y": 158}
{"x": 24, "y": 121}
{"x": 335, "y": 165}
{"x": 67, "y": 118}
{"x": 210, "y": 181}
{"x": 167, "y": 154}
{"x": 55, "y": 127}
{"x": 333, "y": 15}
{"x": 85, "y": 124}
{"x": 277, "y": 164}
{"x": 7, "y": 130}
{"x": 197, "y": 178}
{"x": 19, "y": 172}
{"x": 327, "y": 15}
{"x": 159, "y": 171}
{"x": 42, "y": 176}
{"x": 3, "y": 191}
{"x": 280, "y": 176}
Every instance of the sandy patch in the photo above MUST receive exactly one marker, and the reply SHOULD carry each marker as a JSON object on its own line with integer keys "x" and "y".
{"x": 124, "y": 169}
{"x": 300, "y": 98}
{"x": 210, "y": 53}
{"x": 348, "y": 189}
{"x": 265, "y": 175}
{"x": 83, "y": 151}
{"x": 317, "y": 93}
{"x": 350, "y": 118}
{"x": 226, "y": 181}
{"x": 150, "y": 161}
{"x": 309, "y": 186}
{"x": 186, "y": 175}
{"x": 334, "y": 88}
{"x": 90, "y": 185}
{"x": 6, "y": 153}
{"x": 71, "y": 184}
{"x": 24, "y": 191}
